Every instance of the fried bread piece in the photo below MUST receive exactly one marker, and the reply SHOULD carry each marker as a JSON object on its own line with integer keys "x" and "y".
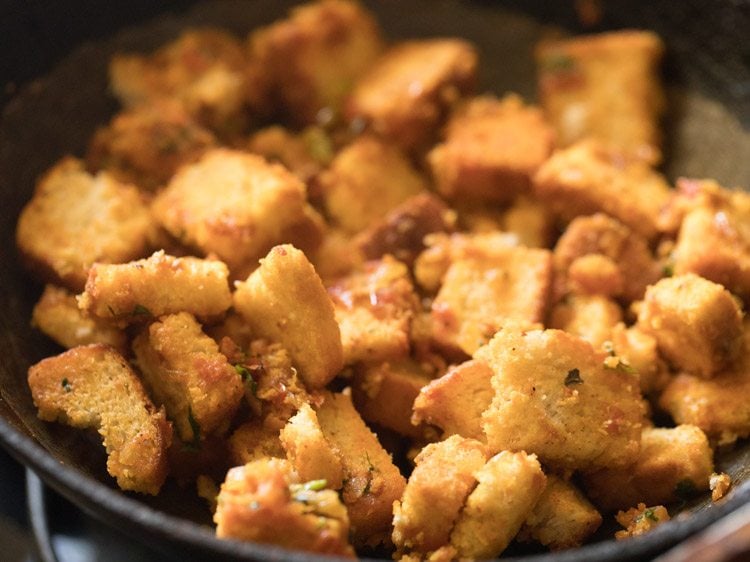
{"x": 93, "y": 386}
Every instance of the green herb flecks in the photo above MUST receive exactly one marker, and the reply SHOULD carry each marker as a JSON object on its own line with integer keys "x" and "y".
{"x": 247, "y": 379}
{"x": 558, "y": 62}
{"x": 140, "y": 310}
{"x": 315, "y": 485}
{"x": 195, "y": 427}
{"x": 649, "y": 514}
{"x": 573, "y": 377}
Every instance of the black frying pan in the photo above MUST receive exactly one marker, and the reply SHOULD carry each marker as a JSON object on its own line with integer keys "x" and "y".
{"x": 70, "y": 42}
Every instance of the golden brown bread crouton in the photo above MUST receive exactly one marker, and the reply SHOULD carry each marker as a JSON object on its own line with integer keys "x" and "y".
{"x": 57, "y": 315}
{"x": 492, "y": 148}
{"x": 605, "y": 86}
{"x": 442, "y": 479}
{"x": 93, "y": 386}
{"x": 284, "y": 300}
{"x": 259, "y": 502}
{"x": 305, "y": 154}
{"x": 384, "y": 394}
{"x": 719, "y": 484}
{"x": 455, "y": 402}
{"x": 402, "y": 230}
{"x": 309, "y": 452}
{"x": 586, "y": 179}
{"x": 509, "y": 486}
{"x": 374, "y": 307}
{"x": 562, "y": 517}
{"x": 480, "y": 294}
{"x": 671, "y": 459}
{"x": 697, "y": 323}
{"x": 600, "y": 235}
{"x": 204, "y": 70}
{"x": 530, "y": 221}
{"x": 184, "y": 370}
{"x": 720, "y": 405}
{"x": 232, "y": 204}
{"x": 555, "y": 397}
{"x": 158, "y": 285}
{"x": 404, "y": 96}
{"x": 147, "y": 144}
{"x": 337, "y": 255}
{"x": 314, "y": 57}
{"x": 254, "y": 441}
{"x": 273, "y": 387}
{"x": 371, "y": 481}
{"x": 714, "y": 235}
{"x": 366, "y": 179}
{"x": 591, "y": 317}
{"x": 443, "y": 249}
{"x": 639, "y": 520}
{"x": 75, "y": 219}
{"x": 639, "y": 350}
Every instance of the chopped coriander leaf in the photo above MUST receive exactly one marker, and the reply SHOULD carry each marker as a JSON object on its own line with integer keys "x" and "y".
{"x": 195, "y": 427}
{"x": 140, "y": 310}
{"x": 316, "y": 485}
{"x": 668, "y": 269}
{"x": 573, "y": 377}
{"x": 67, "y": 387}
{"x": 649, "y": 514}
{"x": 247, "y": 378}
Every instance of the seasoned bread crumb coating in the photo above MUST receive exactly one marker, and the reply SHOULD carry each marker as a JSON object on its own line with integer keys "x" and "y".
{"x": 697, "y": 323}
{"x": 562, "y": 518}
{"x": 556, "y": 397}
{"x": 158, "y": 285}
{"x": 186, "y": 373}
{"x": 93, "y": 386}
{"x": 285, "y": 301}
{"x": 442, "y": 479}
{"x": 57, "y": 315}
{"x": 405, "y": 95}
{"x": 491, "y": 150}
{"x": 260, "y": 502}
{"x": 508, "y": 488}
{"x": 371, "y": 481}
{"x": 233, "y": 204}
{"x": 75, "y": 219}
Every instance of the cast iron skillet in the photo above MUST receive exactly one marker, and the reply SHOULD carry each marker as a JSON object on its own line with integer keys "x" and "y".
{"x": 45, "y": 119}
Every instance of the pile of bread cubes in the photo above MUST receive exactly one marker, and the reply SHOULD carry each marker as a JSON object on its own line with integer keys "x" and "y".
{"x": 317, "y": 278}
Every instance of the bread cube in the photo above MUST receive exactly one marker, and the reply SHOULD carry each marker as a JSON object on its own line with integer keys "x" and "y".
{"x": 75, "y": 219}
{"x": 562, "y": 517}
{"x": 697, "y": 324}
{"x": 442, "y": 479}
{"x": 606, "y": 86}
{"x": 384, "y": 394}
{"x": 591, "y": 317}
{"x": 492, "y": 148}
{"x": 599, "y": 235}
{"x": 509, "y": 486}
{"x": 586, "y": 178}
{"x": 147, "y": 144}
{"x": 405, "y": 95}
{"x": 556, "y": 397}
{"x": 455, "y": 402}
{"x": 714, "y": 236}
{"x": 719, "y": 406}
{"x": 337, "y": 255}
{"x": 671, "y": 459}
{"x": 58, "y": 316}
{"x": 140, "y": 290}
{"x": 371, "y": 481}
{"x": 639, "y": 350}
{"x": 480, "y": 294}
{"x": 309, "y": 452}
{"x": 184, "y": 370}
{"x": 284, "y": 300}
{"x": 315, "y": 55}
{"x": 374, "y": 307}
{"x": 304, "y": 154}
{"x": 253, "y": 441}
{"x": 443, "y": 249}
{"x": 259, "y": 502}
{"x": 234, "y": 205}
{"x": 93, "y": 386}
{"x": 204, "y": 70}
{"x": 530, "y": 221}
{"x": 401, "y": 232}
{"x": 366, "y": 180}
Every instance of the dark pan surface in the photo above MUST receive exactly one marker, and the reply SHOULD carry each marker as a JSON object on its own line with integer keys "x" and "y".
{"x": 57, "y": 114}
